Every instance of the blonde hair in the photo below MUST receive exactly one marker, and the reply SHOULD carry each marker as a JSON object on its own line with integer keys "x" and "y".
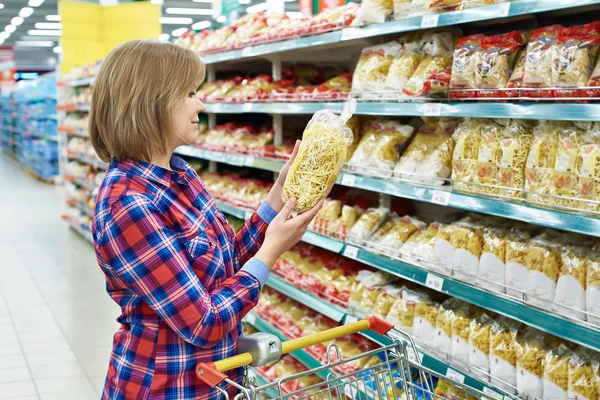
{"x": 137, "y": 88}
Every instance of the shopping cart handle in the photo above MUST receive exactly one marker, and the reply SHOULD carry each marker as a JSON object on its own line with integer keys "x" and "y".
{"x": 212, "y": 373}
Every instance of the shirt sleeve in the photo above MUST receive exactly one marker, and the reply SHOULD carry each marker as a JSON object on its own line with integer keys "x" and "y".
{"x": 142, "y": 250}
{"x": 249, "y": 239}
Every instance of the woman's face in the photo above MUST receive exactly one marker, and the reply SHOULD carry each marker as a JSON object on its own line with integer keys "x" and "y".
{"x": 185, "y": 120}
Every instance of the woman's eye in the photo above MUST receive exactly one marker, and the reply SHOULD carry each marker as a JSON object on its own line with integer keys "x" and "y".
{"x": 192, "y": 94}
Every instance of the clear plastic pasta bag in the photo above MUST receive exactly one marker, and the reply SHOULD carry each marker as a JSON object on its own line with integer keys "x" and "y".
{"x": 592, "y": 301}
{"x": 426, "y": 313}
{"x": 556, "y": 375}
{"x": 539, "y": 170}
{"x": 583, "y": 375}
{"x": 517, "y": 274}
{"x": 467, "y": 139}
{"x": 443, "y": 330}
{"x": 492, "y": 268}
{"x": 571, "y": 284}
{"x": 320, "y": 158}
{"x": 513, "y": 149}
{"x": 373, "y": 11}
{"x": 461, "y": 330}
{"x": 466, "y": 60}
{"x": 532, "y": 349}
{"x": 479, "y": 346}
{"x": 574, "y": 55}
{"x": 543, "y": 261}
{"x": 588, "y": 170}
{"x": 503, "y": 353}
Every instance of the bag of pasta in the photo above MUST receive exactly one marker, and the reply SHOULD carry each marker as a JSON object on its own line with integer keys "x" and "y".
{"x": 437, "y": 165}
{"x": 404, "y": 66}
{"x": 574, "y": 57}
{"x": 355, "y": 124}
{"x": 423, "y": 250}
{"x": 405, "y": 306}
{"x": 489, "y": 149}
{"x": 517, "y": 274}
{"x": 556, "y": 374}
{"x": 544, "y": 262}
{"x": 443, "y": 250}
{"x": 443, "y": 328}
{"x": 408, "y": 248}
{"x": 584, "y": 375}
{"x": 467, "y": 240}
{"x": 373, "y": 66}
{"x": 479, "y": 346}
{"x": 492, "y": 263}
{"x": 532, "y": 350}
{"x": 541, "y": 160}
{"x": 390, "y": 222}
{"x": 320, "y": 158}
{"x": 326, "y": 216}
{"x": 594, "y": 82}
{"x": 369, "y": 137}
{"x": 503, "y": 353}
{"x": 356, "y": 291}
{"x": 571, "y": 284}
{"x": 515, "y": 83}
{"x": 341, "y": 226}
{"x": 467, "y": 139}
{"x": 425, "y": 320}
{"x": 401, "y": 8}
{"x": 464, "y": 67}
{"x": 540, "y": 60}
{"x": 367, "y": 224}
{"x": 592, "y": 300}
{"x": 373, "y": 287}
{"x": 513, "y": 149}
{"x": 391, "y": 243}
{"x": 461, "y": 330}
{"x": 373, "y": 12}
{"x": 387, "y": 298}
{"x": 427, "y": 138}
{"x": 393, "y": 138}
{"x": 588, "y": 170}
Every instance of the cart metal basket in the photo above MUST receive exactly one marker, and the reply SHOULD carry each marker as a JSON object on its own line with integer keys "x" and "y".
{"x": 384, "y": 373}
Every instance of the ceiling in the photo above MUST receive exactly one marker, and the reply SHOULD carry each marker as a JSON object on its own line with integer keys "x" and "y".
{"x": 33, "y": 58}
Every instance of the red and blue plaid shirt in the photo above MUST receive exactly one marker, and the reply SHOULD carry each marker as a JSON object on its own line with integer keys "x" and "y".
{"x": 183, "y": 279}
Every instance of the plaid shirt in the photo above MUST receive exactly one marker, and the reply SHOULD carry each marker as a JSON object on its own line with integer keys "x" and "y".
{"x": 174, "y": 266}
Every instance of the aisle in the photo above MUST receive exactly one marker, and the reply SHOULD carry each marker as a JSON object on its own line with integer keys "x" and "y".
{"x": 56, "y": 320}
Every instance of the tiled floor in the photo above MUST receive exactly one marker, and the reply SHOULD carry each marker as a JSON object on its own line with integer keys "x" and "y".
{"x": 56, "y": 320}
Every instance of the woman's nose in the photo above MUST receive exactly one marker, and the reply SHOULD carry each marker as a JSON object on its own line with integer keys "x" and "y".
{"x": 201, "y": 106}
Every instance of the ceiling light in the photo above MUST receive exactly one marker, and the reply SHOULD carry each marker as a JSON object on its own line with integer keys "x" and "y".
{"x": 291, "y": 14}
{"x": 10, "y": 28}
{"x": 48, "y": 25}
{"x": 176, "y": 21}
{"x": 190, "y": 11}
{"x": 26, "y": 12}
{"x": 1, "y": 6}
{"x": 198, "y": 26}
{"x": 164, "y": 37}
{"x": 38, "y": 32}
{"x": 35, "y": 3}
{"x": 221, "y": 18}
{"x": 203, "y": 1}
{"x": 179, "y": 32}
{"x": 16, "y": 21}
{"x": 55, "y": 18}
{"x": 257, "y": 8}
{"x": 38, "y": 43}
{"x": 4, "y": 35}
{"x": 57, "y": 49}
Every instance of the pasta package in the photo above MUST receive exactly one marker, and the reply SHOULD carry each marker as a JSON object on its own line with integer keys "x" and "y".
{"x": 544, "y": 262}
{"x": 492, "y": 263}
{"x": 556, "y": 374}
{"x": 410, "y": 300}
{"x": 461, "y": 330}
{"x": 354, "y": 123}
{"x": 404, "y": 66}
{"x": 487, "y": 159}
{"x": 389, "y": 295}
{"x": 571, "y": 285}
{"x": 541, "y": 160}
{"x": 443, "y": 329}
{"x": 592, "y": 301}
{"x": 588, "y": 170}
{"x": 392, "y": 140}
{"x": 466, "y": 60}
{"x": 423, "y": 250}
{"x": 517, "y": 274}
{"x": 515, "y": 81}
{"x": 540, "y": 59}
{"x": 341, "y": 226}
{"x": 513, "y": 149}
{"x": 531, "y": 362}
{"x": 320, "y": 158}
{"x": 391, "y": 243}
{"x": 401, "y": 8}
{"x": 373, "y": 288}
{"x": 503, "y": 353}
{"x": 479, "y": 346}
{"x": 326, "y": 216}
{"x": 383, "y": 229}
{"x": 467, "y": 138}
{"x": 366, "y": 225}
{"x": 583, "y": 375}
{"x": 575, "y": 54}
{"x": 356, "y": 291}
{"x": 443, "y": 250}
{"x": 425, "y": 320}
{"x": 374, "y": 11}
{"x": 373, "y": 66}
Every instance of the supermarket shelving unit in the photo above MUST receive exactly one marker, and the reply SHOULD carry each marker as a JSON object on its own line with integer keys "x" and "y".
{"x": 8, "y": 138}
{"x": 346, "y": 41}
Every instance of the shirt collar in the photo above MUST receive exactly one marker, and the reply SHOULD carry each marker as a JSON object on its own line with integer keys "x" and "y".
{"x": 153, "y": 172}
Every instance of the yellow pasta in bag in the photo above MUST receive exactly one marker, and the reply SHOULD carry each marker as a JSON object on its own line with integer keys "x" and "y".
{"x": 404, "y": 66}
{"x": 512, "y": 158}
{"x": 588, "y": 170}
{"x": 592, "y": 301}
{"x": 541, "y": 161}
{"x": 424, "y": 322}
{"x": 503, "y": 353}
{"x": 571, "y": 284}
{"x": 373, "y": 66}
{"x": 544, "y": 262}
{"x": 467, "y": 138}
{"x": 583, "y": 375}
{"x": 532, "y": 350}
{"x": 479, "y": 346}
{"x": 556, "y": 374}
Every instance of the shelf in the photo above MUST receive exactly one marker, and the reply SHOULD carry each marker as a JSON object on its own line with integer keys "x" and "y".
{"x": 495, "y": 11}
{"x": 94, "y": 163}
{"x": 537, "y": 111}
{"x": 82, "y": 82}
{"x": 233, "y": 210}
{"x": 81, "y": 182}
{"x": 323, "y": 242}
{"x": 240, "y": 160}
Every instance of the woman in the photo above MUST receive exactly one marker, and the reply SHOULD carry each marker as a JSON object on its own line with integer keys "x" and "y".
{"x": 183, "y": 279}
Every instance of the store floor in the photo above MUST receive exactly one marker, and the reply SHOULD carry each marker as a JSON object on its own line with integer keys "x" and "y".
{"x": 56, "y": 320}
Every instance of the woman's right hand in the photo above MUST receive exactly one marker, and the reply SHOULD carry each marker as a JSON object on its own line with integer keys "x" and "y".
{"x": 284, "y": 232}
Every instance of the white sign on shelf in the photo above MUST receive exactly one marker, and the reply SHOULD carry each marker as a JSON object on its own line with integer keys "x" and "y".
{"x": 348, "y": 180}
{"x": 247, "y": 107}
{"x": 431, "y": 109}
{"x": 503, "y": 9}
{"x": 249, "y": 161}
{"x": 434, "y": 282}
{"x": 351, "y": 33}
{"x": 247, "y": 51}
{"x": 430, "y": 21}
{"x": 455, "y": 375}
{"x": 351, "y": 252}
{"x": 440, "y": 197}
{"x": 492, "y": 393}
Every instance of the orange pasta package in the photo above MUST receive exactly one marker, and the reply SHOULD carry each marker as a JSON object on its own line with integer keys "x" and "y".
{"x": 466, "y": 60}
{"x": 540, "y": 60}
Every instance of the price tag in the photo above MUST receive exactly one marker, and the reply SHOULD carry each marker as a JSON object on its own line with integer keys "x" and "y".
{"x": 249, "y": 161}
{"x": 503, "y": 9}
{"x": 348, "y": 180}
{"x": 351, "y": 252}
{"x": 350, "y": 319}
{"x": 440, "y": 197}
{"x": 349, "y": 391}
{"x": 248, "y": 214}
{"x": 251, "y": 318}
{"x": 247, "y": 51}
{"x": 434, "y": 282}
{"x": 492, "y": 393}
{"x": 351, "y": 33}
{"x": 430, "y": 21}
{"x": 431, "y": 109}
{"x": 247, "y": 107}
{"x": 412, "y": 355}
{"x": 455, "y": 375}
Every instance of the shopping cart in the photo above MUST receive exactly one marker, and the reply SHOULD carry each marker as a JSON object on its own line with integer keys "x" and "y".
{"x": 384, "y": 373}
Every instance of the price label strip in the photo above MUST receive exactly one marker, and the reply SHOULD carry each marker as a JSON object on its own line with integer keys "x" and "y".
{"x": 431, "y": 109}
{"x": 455, "y": 375}
{"x": 351, "y": 252}
{"x": 247, "y": 107}
{"x": 434, "y": 282}
{"x": 440, "y": 197}
{"x": 348, "y": 180}
{"x": 430, "y": 21}
{"x": 492, "y": 393}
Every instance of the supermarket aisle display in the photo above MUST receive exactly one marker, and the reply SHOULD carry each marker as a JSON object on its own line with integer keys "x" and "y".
{"x": 8, "y": 140}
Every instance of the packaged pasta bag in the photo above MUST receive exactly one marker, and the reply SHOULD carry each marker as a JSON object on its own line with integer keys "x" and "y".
{"x": 583, "y": 375}
{"x": 532, "y": 349}
{"x": 354, "y": 123}
{"x": 492, "y": 263}
{"x": 466, "y": 59}
{"x": 479, "y": 346}
{"x": 404, "y": 316}
{"x": 539, "y": 171}
{"x": 424, "y": 142}
{"x": 393, "y": 137}
{"x": 366, "y": 225}
{"x": 515, "y": 82}
{"x": 425, "y": 320}
{"x": 408, "y": 248}
{"x": 565, "y": 180}
{"x": 588, "y": 170}
{"x": 389, "y": 295}
{"x": 571, "y": 284}
{"x": 326, "y": 216}
{"x": 320, "y": 158}
{"x": 489, "y": 148}
{"x": 391, "y": 243}
{"x": 369, "y": 137}
{"x": 517, "y": 274}
{"x": 461, "y": 330}
{"x": 442, "y": 340}
{"x": 594, "y": 82}
{"x": 556, "y": 374}
{"x": 592, "y": 301}
{"x": 373, "y": 66}
{"x": 513, "y": 149}
{"x": 467, "y": 139}
{"x": 574, "y": 57}
{"x": 544, "y": 262}
{"x": 443, "y": 250}
{"x": 540, "y": 60}
{"x": 390, "y": 222}
{"x": 503, "y": 353}
{"x": 356, "y": 291}
{"x": 404, "y": 66}
{"x": 401, "y": 8}
{"x": 373, "y": 12}
{"x": 341, "y": 226}
{"x": 432, "y": 76}
{"x": 423, "y": 250}
{"x": 497, "y": 57}
{"x": 373, "y": 287}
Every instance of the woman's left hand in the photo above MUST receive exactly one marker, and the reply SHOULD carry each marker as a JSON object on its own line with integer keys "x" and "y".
{"x": 274, "y": 196}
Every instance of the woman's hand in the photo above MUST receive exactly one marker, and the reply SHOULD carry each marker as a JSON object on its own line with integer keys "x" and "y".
{"x": 274, "y": 196}
{"x": 284, "y": 232}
